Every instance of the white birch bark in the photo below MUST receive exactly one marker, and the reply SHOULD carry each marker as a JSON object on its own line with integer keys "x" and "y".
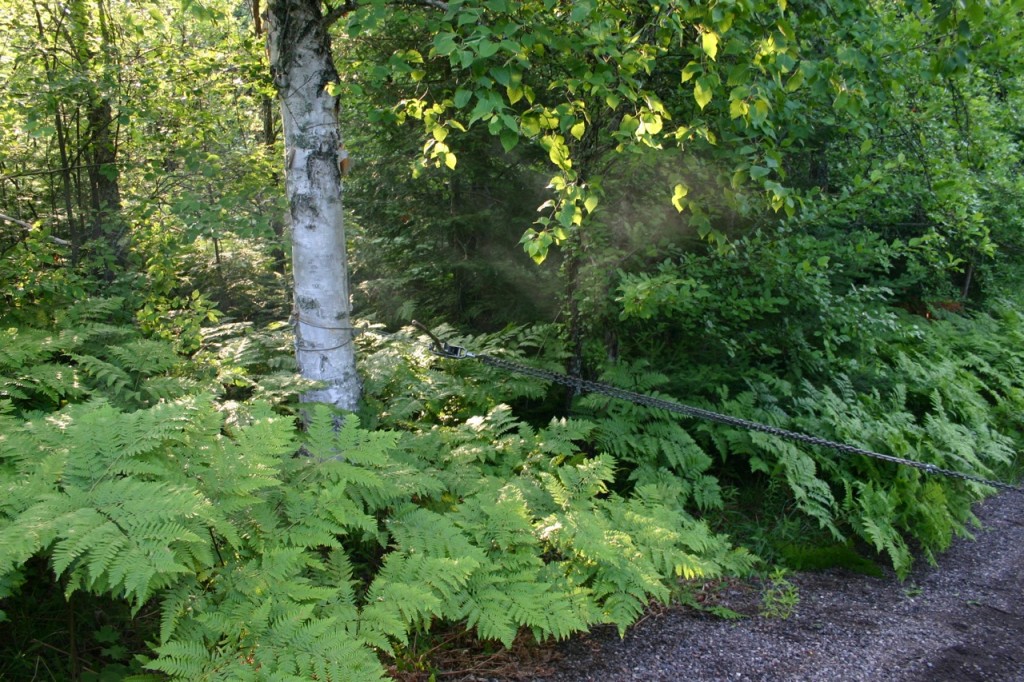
{"x": 302, "y": 68}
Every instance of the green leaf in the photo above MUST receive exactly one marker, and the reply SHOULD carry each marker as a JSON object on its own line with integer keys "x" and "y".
{"x": 679, "y": 193}
{"x": 795, "y": 81}
{"x": 565, "y": 215}
{"x": 578, "y": 130}
{"x": 558, "y": 152}
{"x": 581, "y": 10}
{"x": 462, "y": 97}
{"x": 444, "y": 43}
{"x": 509, "y": 139}
{"x": 709, "y": 43}
{"x": 502, "y": 75}
{"x": 536, "y": 244}
{"x": 530, "y": 125}
{"x": 702, "y": 92}
{"x": 487, "y": 48}
{"x": 484, "y": 107}
{"x": 651, "y": 123}
{"x": 691, "y": 70}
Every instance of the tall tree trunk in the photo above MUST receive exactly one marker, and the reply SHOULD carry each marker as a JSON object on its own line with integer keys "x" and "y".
{"x": 104, "y": 189}
{"x": 574, "y": 365}
{"x": 104, "y": 177}
{"x": 302, "y": 68}
{"x": 65, "y": 172}
{"x": 277, "y": 224}
{"x": 49, "y": 67}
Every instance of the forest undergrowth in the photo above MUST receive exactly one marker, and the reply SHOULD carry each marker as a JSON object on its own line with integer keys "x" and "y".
{"x": 180, "y": 515}
{"x": 709, "y": 203}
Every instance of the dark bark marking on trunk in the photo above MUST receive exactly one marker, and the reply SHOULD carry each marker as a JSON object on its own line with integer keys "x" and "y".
{"x": 307, "y": 304}
{"x": 322, "y": 167}
{"x": 298, "y": 20}
{"x": 304, "y": 209}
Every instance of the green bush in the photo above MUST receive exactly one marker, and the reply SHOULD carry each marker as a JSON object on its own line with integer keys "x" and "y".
{"x": 782, "y": 333}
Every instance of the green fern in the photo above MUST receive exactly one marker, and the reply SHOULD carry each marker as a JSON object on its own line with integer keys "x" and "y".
{"x": 291, "y": 542}
{"x": 652, "y": 444}
{"x": 550, "y": 549}
{"x": 875, "y": 511}
{"x": 159, "y": 503}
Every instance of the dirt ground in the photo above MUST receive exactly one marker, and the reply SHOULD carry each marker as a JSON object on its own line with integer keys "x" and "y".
{"x": 962, "y": 620}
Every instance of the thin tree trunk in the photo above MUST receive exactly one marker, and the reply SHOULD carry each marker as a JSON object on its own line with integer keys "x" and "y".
{"x": 965, "y": 290}
{"x": 104, "y": 190}
{"x": 62, "y": 146}
{"x": 277, "y": 253}
{"x": 303, "y": 69}
{"x": 65, "y": 171}
{"x": 574, "y": 365}
{"x": 104, "y": 176}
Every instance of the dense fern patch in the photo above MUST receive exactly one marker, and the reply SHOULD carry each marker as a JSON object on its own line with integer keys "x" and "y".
{"x": 253, "y": 537}
{"x": 293, "y": 546}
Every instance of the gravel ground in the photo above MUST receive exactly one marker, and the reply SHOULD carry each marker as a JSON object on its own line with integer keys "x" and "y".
{"x": 962, "y": 620}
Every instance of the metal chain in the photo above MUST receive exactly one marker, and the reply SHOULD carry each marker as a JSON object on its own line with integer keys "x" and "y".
{"x": 295, "y": 320}
{"x": 452, "y": 352}
{"x": 736, "y": 422}
{"x": 308, "y": 349}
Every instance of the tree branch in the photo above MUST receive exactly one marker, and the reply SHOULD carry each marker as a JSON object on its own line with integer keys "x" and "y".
{"x": 335, "y": 13}
{"x": 436, "y": 4}
{"x": 28, "y": 227}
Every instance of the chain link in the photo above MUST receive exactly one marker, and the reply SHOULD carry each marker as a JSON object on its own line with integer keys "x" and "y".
{"x": 736, "y": 422}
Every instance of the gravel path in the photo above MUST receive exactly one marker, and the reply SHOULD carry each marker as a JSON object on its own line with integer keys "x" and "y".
{"x": 960, "y": 621}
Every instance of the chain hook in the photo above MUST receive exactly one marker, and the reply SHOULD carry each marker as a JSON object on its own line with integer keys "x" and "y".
{"x": 439, "y": 347}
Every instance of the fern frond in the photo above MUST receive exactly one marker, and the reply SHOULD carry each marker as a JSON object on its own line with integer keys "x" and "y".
{"x": 145, "y": 357}
{"x": 420, "y": 531}
{"x": 876, "y": 511}
{"x": 113, "y": 380}
{"x": 166, "y": 388}
{"x": 55, "y": 381}
{"x": 86, "y": 310}
{"x": 574, "y": 483}
{"x": 23, "y": 347}
{"x": 183, "y": 659}
{"x": 394, "y": 605}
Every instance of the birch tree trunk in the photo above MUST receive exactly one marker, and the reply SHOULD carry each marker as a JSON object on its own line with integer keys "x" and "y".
{"x": 302, "y": 68}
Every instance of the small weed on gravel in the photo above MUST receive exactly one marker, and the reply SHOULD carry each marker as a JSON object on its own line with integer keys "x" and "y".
{"x": 780, "y": 597}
